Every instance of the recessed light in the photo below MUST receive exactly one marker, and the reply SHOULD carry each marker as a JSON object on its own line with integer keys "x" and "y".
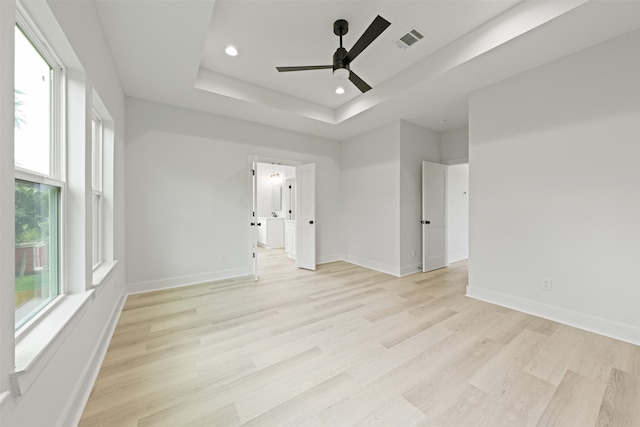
{"x": 339, "y": 90}
{"x": 231, "y": 51}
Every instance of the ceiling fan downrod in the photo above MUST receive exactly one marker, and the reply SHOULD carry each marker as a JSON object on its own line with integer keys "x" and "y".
{"x": 340, "y": 28}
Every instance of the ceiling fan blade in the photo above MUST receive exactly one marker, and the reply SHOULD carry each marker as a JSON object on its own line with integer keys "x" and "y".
{"x": 375, "y": 29}
{"x": 360, "y": 84}
{"x": 303, "y": 68}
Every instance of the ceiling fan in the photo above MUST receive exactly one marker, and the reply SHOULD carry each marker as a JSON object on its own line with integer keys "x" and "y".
{"x": 342, "y": 58}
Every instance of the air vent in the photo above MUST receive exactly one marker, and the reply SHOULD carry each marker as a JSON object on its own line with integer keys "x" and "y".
{"x": 410, "y": 38}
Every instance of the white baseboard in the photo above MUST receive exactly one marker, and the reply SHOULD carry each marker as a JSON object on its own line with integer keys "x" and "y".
{"x": 410, "y": 269}
{"x": 589, "y": 323}
{"x": 373, "y": 265}
{"x": 85, "y": 385}
{"x": 458, "y": 257}
{"x": 176, "y": 282}
{"x": 327, "y": 259}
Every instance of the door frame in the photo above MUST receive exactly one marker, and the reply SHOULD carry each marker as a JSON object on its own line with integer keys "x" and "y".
{"x": 251, "y": 182}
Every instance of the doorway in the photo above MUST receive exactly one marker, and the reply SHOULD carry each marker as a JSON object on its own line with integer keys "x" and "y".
{"x": 458, "y": 212}
{"x": 445, "y": 214}
{"x": 275, "y": 204}
{"x": 283, "y": 196}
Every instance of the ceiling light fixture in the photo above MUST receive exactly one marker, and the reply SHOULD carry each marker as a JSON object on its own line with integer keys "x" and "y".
{"x": 231, "y": 51}
{"x": 339, "y": 90}
{"x": 341, "y": 74}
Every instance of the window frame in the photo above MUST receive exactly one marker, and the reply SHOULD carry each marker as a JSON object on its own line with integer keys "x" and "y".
{"x": 97, "y": 189}
{"x": 56, "y": 174}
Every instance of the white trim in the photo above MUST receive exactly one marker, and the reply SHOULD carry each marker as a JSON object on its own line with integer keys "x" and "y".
{"x": 325, "y": 259}
{"x": 177, "y": 282}
{"x": 460, "y": 256}
{"x": 102, "y": 272}
{"x": 27, "y": 326}
{"x": 411, "y": 269}
{"x": 96, "y": 152}
{"x": 374, "y": 265}
{"x": 75, "y": 405}
{"x": 597, "y": 325}
{"x": 97, "y": 211}
{"x": 34, "y": 350}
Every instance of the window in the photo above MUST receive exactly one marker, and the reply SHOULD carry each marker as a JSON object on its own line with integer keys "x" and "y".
{"x": 98, "y": 196}
{"x": 37, "y": 247}
{"x": 38, "y": 188}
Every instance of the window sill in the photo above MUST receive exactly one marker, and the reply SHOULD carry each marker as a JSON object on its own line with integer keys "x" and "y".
{"x": 39, "y": 344}
{"x": 101, "y": 273}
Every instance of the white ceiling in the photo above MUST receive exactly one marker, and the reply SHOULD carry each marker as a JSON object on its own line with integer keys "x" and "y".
{"x": 172, "y": 51}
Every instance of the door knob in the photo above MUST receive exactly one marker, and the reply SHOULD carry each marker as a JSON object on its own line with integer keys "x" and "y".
{"x": 311, "y": 222}
{"x": 258, "y": 224}
{"x": 425, "y": 222}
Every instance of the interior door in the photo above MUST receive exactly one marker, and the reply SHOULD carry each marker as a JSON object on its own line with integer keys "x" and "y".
{"x": 434, "y": 216}
{"x": 306, "y": 216}
{"x": 254, "y": 219}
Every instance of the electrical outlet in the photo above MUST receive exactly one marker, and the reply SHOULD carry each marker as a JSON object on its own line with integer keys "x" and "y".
{"x": 546, "y": 284}
{"x": 223, "y": 256}
{"x": 413, "y": 252}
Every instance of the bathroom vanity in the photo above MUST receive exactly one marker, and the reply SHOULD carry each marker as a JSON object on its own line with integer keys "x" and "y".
{"x": 271, "y": 232}
{"x": 290, "y": 237}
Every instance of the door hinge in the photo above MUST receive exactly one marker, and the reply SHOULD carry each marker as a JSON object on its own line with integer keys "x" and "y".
{"x": 253, "y": 172}
{"x": 254, "y": 254}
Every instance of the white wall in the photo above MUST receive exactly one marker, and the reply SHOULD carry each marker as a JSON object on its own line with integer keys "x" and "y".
{"x": 189, "y": 193}
{"x": 454, "y": 146}
{"x": 382, "y": 193}
{"x": 555, "y": 190}
{"x": 7, "y": 214}
{"x": 371, "y": 198}
{"x": 458, "y": 212}
{"x": 64, "y": 371}
{"x": 416, "y": 145}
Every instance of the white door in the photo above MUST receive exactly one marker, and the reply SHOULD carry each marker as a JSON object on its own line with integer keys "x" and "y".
{"x": 254, "y": 218}
{"x": 434, "y": 216}
{"x": 306, "y": 216}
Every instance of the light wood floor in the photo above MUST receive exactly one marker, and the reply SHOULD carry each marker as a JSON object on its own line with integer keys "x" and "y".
{"x": 347, "y": 346}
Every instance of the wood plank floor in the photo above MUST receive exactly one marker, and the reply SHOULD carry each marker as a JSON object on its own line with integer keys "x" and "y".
{"x": 346, "y": 346}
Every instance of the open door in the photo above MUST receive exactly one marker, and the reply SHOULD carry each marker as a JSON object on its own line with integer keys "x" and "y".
{"x": 434, "y": 216}
{"x": 254, "y": 219}
{"x": 305, "y": 216}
